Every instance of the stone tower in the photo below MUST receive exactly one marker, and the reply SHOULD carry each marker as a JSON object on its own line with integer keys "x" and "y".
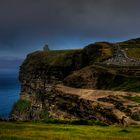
{"x": 46, "y": 48}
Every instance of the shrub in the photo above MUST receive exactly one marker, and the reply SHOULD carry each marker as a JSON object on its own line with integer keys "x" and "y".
{"x": 44, "y": 115}
{"x": 40, "y": 96}
{"x": 75, "y": 122}
{"x": 135, "y": 117}
{"x": 22, "y": 105}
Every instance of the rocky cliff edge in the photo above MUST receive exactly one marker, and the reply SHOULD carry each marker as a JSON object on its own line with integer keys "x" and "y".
{"x": 76, "y": 84}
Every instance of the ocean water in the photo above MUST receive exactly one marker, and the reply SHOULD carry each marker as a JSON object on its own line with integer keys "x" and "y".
{"x": 9, "y": 93}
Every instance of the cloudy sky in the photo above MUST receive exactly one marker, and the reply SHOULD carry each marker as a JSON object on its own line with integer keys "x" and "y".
{"x": 26, "y": 25}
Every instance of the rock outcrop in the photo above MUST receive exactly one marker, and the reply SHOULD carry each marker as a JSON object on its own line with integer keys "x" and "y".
{"x": 99, "y": 77}
{"x": 61, "y": 84}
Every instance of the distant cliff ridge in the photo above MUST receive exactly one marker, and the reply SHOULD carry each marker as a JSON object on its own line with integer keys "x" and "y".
{"x": 61, "y": 84}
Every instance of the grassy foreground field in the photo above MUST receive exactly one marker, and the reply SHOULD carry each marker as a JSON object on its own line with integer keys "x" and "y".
{"x": 42, "y": 131}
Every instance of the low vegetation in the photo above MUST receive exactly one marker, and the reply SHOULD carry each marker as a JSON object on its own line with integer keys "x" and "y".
{"x": 51, "y": 58}
{"x": 131, "y": 84}
{"x": 75, "y": 122}
{"x": 133, "y": 53}
{"x": 22, "y": 105}
{"x": 133, "y": 98}
{"x": 135, "y": 117}
{"x": 43, "y": 131}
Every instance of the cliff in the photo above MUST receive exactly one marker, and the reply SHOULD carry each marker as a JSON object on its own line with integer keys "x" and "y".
{"x": 64, "y": 84}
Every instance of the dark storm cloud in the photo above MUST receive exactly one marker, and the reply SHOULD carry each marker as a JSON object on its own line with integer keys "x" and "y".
{"x": 26, "y": 24}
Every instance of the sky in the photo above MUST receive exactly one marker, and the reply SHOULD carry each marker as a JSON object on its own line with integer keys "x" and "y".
{"x": 26, "y": 25}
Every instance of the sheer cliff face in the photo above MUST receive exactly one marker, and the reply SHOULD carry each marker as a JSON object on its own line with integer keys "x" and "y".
{"x": 39, "y": 73}
{"x": 42, "y": 72}
{"x": 43, "y": 69}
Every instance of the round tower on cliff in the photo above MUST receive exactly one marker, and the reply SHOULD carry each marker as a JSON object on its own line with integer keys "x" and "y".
{"x": 46, "y": 47}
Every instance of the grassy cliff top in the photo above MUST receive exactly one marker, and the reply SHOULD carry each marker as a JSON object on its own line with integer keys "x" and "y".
{"x": 53, "y": 57}
{"x": 133, "y": 53}
{"x": 40, "y": 59}
{"x": 78, "y": 58}
{"x": 132, "y": 48}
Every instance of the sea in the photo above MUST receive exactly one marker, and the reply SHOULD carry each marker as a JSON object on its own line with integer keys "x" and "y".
{"x": 9, "y": 93}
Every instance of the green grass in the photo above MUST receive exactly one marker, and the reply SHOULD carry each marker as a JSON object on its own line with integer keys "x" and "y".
{"x": 43, "y": 59}
{"x": 133, "y": 53}
{"x": 64, "y": 51}
{"x": 133, "y": 98}
{"x": 42, "y": 131}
